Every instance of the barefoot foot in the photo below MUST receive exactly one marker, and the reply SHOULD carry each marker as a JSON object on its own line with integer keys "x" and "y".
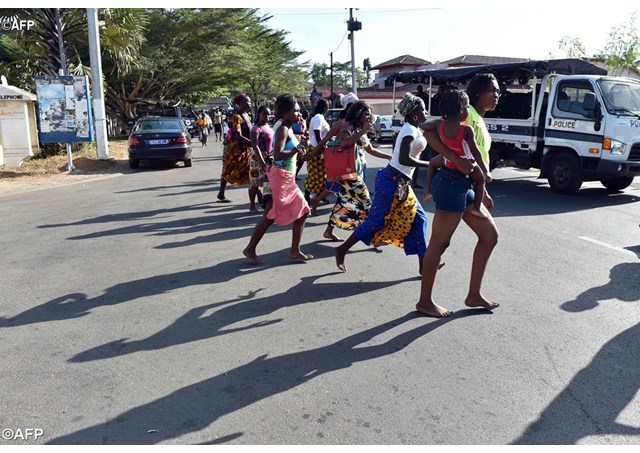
{"x": 340, "y": 254}
{"x": 332, "y": 237}
{"x": 433, "y": 310}
{"x": 481, "y": 302}
{"x": 299, "y": 256}
{"x": 252, "y": 258}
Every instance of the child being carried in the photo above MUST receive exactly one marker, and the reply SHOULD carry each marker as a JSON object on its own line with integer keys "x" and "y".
{"x": 458, "y": 137}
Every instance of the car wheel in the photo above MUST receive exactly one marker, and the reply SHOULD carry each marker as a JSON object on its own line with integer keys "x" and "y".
{"x": 134, "y": 163}
{"x": 187, "y": 163}
{"x": 564, "y": 173}
{"x": 617, "y": 183}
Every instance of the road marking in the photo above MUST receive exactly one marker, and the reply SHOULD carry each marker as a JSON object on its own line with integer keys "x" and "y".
{"x": 609, "y": 246}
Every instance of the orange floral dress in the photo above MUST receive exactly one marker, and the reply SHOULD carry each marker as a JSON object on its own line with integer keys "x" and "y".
{"x": 237, "y": 156}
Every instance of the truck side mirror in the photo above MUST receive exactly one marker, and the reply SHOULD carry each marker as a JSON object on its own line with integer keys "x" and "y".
{"x": 589, "y": 102}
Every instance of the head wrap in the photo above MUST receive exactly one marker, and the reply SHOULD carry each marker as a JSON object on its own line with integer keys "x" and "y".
{"x": 348, "y": 98}
{"x": 239, "y": 98}
{"x": 409, "y": 103}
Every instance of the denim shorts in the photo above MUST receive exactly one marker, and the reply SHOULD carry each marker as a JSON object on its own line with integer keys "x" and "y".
{"x": 452, "y": 190}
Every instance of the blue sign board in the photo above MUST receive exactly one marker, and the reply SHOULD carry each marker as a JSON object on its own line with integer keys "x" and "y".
{"x": 64, "y": 109}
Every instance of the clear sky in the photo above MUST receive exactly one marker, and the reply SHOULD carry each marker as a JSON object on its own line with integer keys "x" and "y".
{"x": 431, "y": 31}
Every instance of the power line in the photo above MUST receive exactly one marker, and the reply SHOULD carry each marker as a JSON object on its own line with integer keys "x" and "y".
{"x": 345, "y": 35}
{"x": 359, "y": 12}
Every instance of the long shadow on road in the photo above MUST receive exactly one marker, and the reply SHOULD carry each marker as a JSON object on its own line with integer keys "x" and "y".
{"x": 526, "y": 197}
{"x": 592, "y": 402}
{"x": 595, "y": 397}
{"x": 194, "y": 326}
{"x": 193, "y": 408}
{"x": 76, "y": 305}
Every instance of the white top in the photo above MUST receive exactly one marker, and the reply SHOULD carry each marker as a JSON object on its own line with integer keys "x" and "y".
{"x": 318, "y": 123}
{"x": 417, "y": 146}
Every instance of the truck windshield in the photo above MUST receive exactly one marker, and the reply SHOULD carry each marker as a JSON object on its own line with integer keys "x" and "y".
{"x": 621, "y": 97}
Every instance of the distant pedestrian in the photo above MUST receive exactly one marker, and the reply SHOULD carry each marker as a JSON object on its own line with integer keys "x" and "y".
{"x": 237, "y": 151}
{"x": 262, "y": 144}
{"x": 217, "y": 124}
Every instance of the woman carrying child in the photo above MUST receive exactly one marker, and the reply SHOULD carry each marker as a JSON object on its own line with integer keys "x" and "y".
{"x": 453, "y": 196}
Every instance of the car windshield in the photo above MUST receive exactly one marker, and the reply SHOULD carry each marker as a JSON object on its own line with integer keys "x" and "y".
{"x": 621, "y": 97}
{"x": 158, "y": 125}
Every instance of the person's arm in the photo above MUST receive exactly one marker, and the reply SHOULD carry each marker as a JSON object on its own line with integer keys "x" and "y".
{"x": 431, "y": 132}
{"x": 335, "y": 129}
{"x": 473, "y": 146}
{"x": 237, "y": 130}
{"x": 348, "y": 139}
{"x": 368, "y": 147}
{"x": 256, "y": 147}
{"x": 405, "y": 158}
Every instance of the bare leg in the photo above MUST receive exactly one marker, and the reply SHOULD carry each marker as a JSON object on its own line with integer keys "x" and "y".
{"x": 223, "y": 186}
{"x": 298, "y": 228}
{"x": 487, "y": 234}
{"x": 434, "y": 164}
{"x": 316, "y": 201}
{"x": 328, "y": 234}
{"x": 443, "y": 226}
{"x": 258, "y": 232}
{"x": 342, "y": 250}
{"x": 253, "y": 191}
{"x": 478, "y": 189}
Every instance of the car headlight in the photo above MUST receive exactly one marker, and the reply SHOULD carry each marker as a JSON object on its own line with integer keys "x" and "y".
{"x": 614, "y": 146}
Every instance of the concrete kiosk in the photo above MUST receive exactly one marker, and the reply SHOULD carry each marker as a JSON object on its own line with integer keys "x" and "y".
{"x": 18, "y": 126}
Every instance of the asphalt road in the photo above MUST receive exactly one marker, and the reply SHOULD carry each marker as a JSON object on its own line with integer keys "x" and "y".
{"x": 129, "y": 316}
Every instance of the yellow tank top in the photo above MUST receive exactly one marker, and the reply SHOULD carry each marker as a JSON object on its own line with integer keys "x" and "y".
{"x": 481, "y": 133}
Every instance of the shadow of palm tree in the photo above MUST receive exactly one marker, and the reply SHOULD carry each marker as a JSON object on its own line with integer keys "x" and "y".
{"x": 624, "y": 284}
{"x": 594, "y": 398}
{"x": 194, "y": 326}
{"x": 196, "y": 406}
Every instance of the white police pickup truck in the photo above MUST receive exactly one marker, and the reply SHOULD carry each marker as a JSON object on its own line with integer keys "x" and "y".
{"x": 580, "y": 128}
{"x": 566, "y": 117}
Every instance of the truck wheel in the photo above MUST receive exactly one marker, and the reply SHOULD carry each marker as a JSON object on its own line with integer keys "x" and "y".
{"x": 187, "y": 162}
{"x": 617, "y": 183}
{"x": 564, "y": 173}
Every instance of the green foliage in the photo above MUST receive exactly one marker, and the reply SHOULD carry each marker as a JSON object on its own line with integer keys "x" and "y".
{"x": 169, "y": 55}
{"x": 572, "y": 47}
{"x": 320, "y": 75}
{"x": 622, "y": 49}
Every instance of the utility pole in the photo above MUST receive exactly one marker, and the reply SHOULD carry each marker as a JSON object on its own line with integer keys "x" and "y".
{"x": 353, "y": 25}
{"x": 63, "y": 72}
{"x": 100, "y": 122}
{"x": 331, "y": 72}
